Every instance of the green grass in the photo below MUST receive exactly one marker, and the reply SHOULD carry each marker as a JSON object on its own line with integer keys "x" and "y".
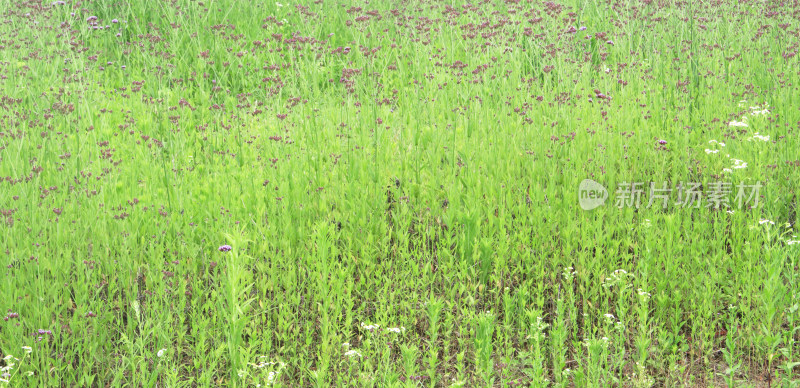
{"x": 403, "y": 212}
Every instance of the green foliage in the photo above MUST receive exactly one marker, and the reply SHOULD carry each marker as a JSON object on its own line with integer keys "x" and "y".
{"x": 398, "y": 184}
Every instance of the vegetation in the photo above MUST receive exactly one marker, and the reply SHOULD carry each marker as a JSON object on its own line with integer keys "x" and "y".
{"x": 386, "y": 193}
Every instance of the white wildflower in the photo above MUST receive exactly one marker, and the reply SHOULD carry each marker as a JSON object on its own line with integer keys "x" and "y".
{"x": 27, "y": 349}
{"x": 352, "y": 353}
{"x": 397, "y": 330}
{"x": 756, "y": 136}
{"x": 735, "y": 123}
{"x": 739, "y": 164}
{"x": 765, "y": 221}
{"x": 757, "y": 110}
{"x": 161, "y": 353}
{"x": 540, "y": 326}
{"x": 369, "y": 327}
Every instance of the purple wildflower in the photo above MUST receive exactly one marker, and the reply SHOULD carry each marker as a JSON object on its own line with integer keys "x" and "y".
{"x": 583, "y": 28}
{"x": 662, "y": 142}
{"x": 225, "y": 248}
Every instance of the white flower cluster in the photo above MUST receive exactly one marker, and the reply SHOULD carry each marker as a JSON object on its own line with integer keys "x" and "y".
{"x": 738, "y": 164}
{"x": 353, "y": 353}
{"x": 757, "y": 110}
{"x": 6, "y": 370}
{"x": 569, "y": 273}
{"x": 714, "y": 142}
{"x": 261, "y": 364}
{"x": 742, "y": 123}
{"x": 756, "y": 136}
{"x": 11, "y": 362}
{"x": 369, "y": 327}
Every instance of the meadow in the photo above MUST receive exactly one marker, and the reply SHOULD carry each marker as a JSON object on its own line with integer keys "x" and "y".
{"x": 224, "y": 193}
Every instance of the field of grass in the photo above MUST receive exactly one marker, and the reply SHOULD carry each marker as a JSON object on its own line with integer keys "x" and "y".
{"x": 388, "y": 193}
